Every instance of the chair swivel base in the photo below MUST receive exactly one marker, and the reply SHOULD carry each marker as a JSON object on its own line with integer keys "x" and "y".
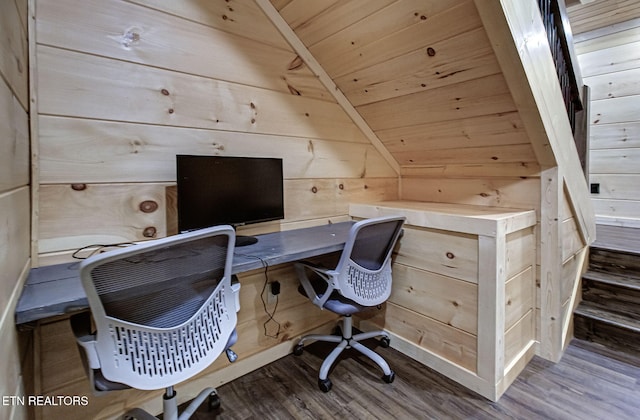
{"x": 170, "y": 406}
{"x": 347, "y": 340}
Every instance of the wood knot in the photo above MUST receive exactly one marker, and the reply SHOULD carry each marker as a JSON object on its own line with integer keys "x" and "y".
{"x": 314, "y": 189}
{"x": 148, "y": 206}
{"x": 294, "y": 91}
{"x": 165, "y": 92}
{"x": 130, "y": 37}
{"x": 450, "y": 255}
{"x": 341, "y": 186}
{"x": 78, "y": 187}
{"x": 431, "y": 52}
{"x": 149, "y": 232}
{"x": 296, "y": 63}
{"x": 170, "y": 111}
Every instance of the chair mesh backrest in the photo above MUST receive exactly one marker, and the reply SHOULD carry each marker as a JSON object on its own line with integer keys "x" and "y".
{"x": 164, "y": 310}
{"x": 365, "y": 266}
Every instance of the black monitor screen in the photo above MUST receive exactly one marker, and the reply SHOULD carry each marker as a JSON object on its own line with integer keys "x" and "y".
{"x": 218, "y": 190}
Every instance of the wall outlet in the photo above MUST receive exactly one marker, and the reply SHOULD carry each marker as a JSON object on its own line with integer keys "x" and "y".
{"x": 274, "y": 291}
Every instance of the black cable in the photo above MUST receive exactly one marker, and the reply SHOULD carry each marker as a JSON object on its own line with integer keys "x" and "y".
{"x": 99, "y": 248}
{"x": 270, "y": 315}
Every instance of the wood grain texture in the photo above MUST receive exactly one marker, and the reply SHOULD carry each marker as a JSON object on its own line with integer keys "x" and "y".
{"x": 442, "y": 252}
{"x": 140, "y": 35}
{"x": 14, "y": 245}
{"x": 452, "y": 344}
{"x": 418, "y": 71}
{"x": 610, "y": 56}
{"x": 81, "y": 150}
{"x": 543, "y": 390}
{"x": 445, "y": 299}
{"x": 14, "y": 63}
{"x": 15, "y": 204}
{"x": 85, "y": 86}
{"x": 398, "y": 29}
{"x": 98, "y": 214}
{"x": 613, "y": 59}
{"x": 236, "y": 17}
{"x": 615, "y": 136}
{"x": 14, "y": 141}
{"x": 598, "y": 14}
{"x": 486, "y": 130}
{"x": 533, "y": 85}
{"x": 336, "y": 16}
{"x": 498, "y": 192}
{"x": 460, "y": 101}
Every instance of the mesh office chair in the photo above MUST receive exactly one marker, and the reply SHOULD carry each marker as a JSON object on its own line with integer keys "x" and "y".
{"x": 361, "y": 279}
{"x": 164, "y": 310}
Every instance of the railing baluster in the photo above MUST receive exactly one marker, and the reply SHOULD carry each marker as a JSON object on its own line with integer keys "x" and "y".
{"x": 550, "y": 11}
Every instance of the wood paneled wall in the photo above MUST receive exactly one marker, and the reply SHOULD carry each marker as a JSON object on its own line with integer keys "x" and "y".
{"x": 599, "y": 14}
{"x": 433, "y": 81}
{"x": 14, "y": 193}
{"x": 610, "y": 62}
{"x": 124, "y": 86}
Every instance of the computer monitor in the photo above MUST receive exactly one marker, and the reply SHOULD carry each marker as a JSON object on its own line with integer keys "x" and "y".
{"x": 226, "y": 190}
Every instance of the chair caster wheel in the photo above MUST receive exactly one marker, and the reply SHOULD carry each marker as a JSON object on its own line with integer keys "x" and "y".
{"x": 298, "y": 349}
{"x": 324, "y": 385}
{"x": 213, "y": 401}
{"x": 389, "y": 378}
{"x": 384, "y": 342}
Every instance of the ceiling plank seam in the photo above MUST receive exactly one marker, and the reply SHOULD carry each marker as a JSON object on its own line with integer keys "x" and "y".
{"x": 303, "y": 52}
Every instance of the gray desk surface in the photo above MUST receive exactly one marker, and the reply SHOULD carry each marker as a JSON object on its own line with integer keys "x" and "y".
{"x": 56, "y": 289}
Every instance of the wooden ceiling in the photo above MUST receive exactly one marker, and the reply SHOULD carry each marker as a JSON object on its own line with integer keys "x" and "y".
{"x": 421, "y": 73}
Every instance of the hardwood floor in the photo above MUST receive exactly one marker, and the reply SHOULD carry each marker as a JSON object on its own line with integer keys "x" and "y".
{"x": 590, "y": 382}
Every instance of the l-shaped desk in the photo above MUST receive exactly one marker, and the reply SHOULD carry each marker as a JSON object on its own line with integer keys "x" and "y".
{"x": 464, "y": 290}
{"x": 57, "y": 290}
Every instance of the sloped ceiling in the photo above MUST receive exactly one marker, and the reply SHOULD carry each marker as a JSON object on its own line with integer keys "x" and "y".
{"x": 421, "y": 73}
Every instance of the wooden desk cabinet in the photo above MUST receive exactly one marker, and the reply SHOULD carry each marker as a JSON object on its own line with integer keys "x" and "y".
{"x": 463, "y": 299}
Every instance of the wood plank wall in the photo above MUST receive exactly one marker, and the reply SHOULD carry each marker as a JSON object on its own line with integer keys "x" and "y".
{"x": 598, "y": 14}
{"x": 425, "y": 78}
{"x": 14, "y": 193}
{"x": 610, "y": 62}
{"x": 124, "y": 86}
{"x": 429, "y": 84}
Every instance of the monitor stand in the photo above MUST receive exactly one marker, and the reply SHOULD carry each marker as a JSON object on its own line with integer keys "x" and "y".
{"x": 245, "y": 240}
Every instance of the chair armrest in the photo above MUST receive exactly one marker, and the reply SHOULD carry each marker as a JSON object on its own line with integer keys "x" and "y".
{"x": 325, "y": 274}
{"x": 86, "y": 340}
{"x": 235, "y": 288}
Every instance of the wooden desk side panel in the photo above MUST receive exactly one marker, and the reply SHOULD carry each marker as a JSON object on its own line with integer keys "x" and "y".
{"x": 442, "y": 252}
{"x": 434, "y": 299}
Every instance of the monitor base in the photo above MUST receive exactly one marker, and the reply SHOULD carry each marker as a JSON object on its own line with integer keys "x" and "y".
{"x": 245, "y": 240}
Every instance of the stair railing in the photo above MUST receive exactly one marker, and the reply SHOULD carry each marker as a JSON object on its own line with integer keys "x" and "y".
{"x": 574, "y": 93}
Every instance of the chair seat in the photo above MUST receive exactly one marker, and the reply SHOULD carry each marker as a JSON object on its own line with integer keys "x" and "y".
{"x": 336, "y": 303}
